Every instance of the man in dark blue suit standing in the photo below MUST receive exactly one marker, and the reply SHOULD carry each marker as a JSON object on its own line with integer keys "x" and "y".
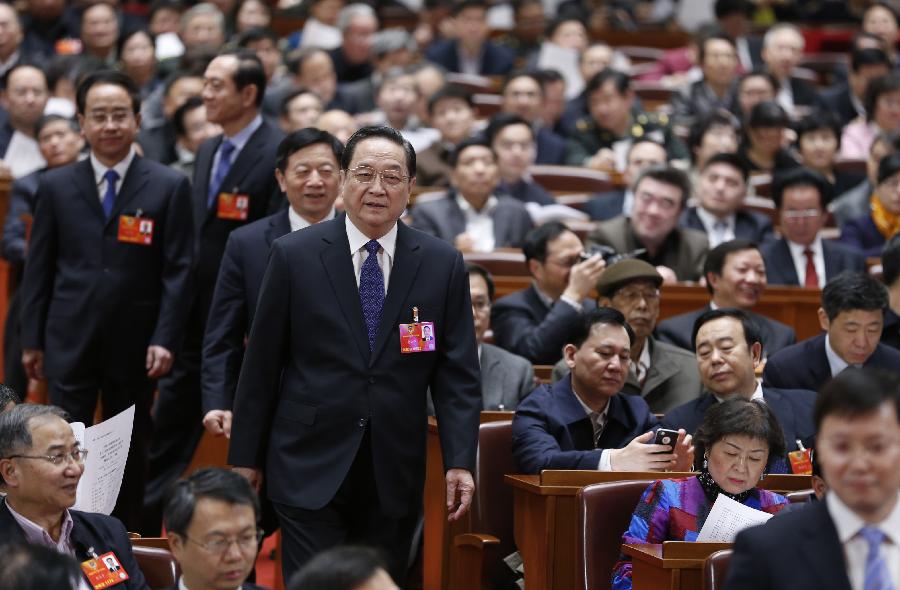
{"x": 306, "y": 166}
{"x": 852, "y": 315}
{"x": 584, "y": 421}
{"x": 728, "y": 348}
{"x": 331, "y": 400}
{"x": 233, "y": 185}
{"x": 108, "y": 262}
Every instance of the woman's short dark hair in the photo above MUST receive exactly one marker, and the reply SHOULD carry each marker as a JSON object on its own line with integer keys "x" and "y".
{"x": 856, "y": 392}
{"x": 751, "y": 330}
{"x": 477, "y": 269}
{"x": 877, "y": 87}
{"x": 213, "y": 483}
{"x": 128, "y": 34}
{"x": 601, "y": 315}
{"x": 767, "y": 113}
{"x": 535, "y": 245}
{"x": 818, "y": 120}
{"x": 340, "y": 568}
{"x": 739, "y": 416}
{"x": 850, "y": 291}
{"x": 302, "y": 138}
{"x": 384, "y": 132}
{"x": 703, "y": 125}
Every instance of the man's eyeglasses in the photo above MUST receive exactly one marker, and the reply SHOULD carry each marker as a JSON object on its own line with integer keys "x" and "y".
{"x": 801, "y": 214}
{"x": 246, "y": 542}
{"x": 78, "y": 456}
{"x": 635, "y": 295}
{"x": 366, "y": 175}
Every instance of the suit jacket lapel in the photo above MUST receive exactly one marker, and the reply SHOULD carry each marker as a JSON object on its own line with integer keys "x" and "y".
{"x": 249, "y": 158}
{"x": 202, "y": 177}
{"x": 491, "y": 392}
{"x": 784, "y": 263}
{"x": 822, "y": 547}
{"x": 456, "y": 220}
{"x": 281, "y": 226}
{"x": 572, "y": 414}
{"x": 501, "y": 227}
{"x": 661, "y": 368}
{"x": 338, "y": 264}
{"x": 87, "y": 186}
{"x": 407, "y": 256}
{"x": 832, "y": 261}
{"x": 135, "y": 179}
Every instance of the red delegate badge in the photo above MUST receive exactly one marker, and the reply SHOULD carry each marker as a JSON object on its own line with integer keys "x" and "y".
{"x": 104, "y": 571}
{"x": 135, "y": 229}
{"x": 233, "y": 206}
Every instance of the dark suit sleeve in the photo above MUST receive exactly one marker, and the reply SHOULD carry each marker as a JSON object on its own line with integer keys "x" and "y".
{"x": 773, "y": 375}
{"x": 746, "y": 571}
{"x": 40, "y": 271}
{"x": 268, "y": 347}
{"x": 455, "y": 382}
{"x": 223, "y": 343}
{"x": 177, "y": 256}
{"x": 13, "y": 240}
{"x": 541, "y": 343}
{"x": 423, "y": 219}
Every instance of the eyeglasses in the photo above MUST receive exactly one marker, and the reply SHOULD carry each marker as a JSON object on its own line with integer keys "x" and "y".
{"x": 78, "y": 456}
{"x": 802, "y": 214}
{"x": 117, "y": 117}
{"x": 366, "y": 175}
{"x": 246, "y": 542}
{"x": 634, "y": 295}
{"x": 665, "y": 204}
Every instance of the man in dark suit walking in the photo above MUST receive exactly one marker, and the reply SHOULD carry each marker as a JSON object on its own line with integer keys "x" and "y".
{"x": 307, "y": 165}
{"x": 331, "y": 402}
{"x": 108, "y": 262}
{"x": 735, "y": 277}
{"x": 852, "y": 539}
{"x": 729, "y": 349}
{"x": 801, "y": 257}
{"x": 233, "y": 185}
{"x": 852, "y": 315}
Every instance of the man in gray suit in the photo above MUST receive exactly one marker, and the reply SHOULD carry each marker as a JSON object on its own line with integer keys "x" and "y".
{"x": 664, "y": 375}
{"x": 506, "y": 378}
{"x": 471, "y": 216}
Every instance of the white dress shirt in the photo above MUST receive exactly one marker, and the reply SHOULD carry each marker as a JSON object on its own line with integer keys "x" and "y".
{"x": 757, "y": 394}
{"x": 298, "y": 222}
{"x": 836, "y": 363}
{"x": 183, "y": 586}
{"x": 799, "y": 259}
{"x": 479, "y": 224}
{"x": 856, "y": 549}
{"x": 628, "y": 203}
{"x": 715, "y": 235}
{"x": 358, "y": 240}
{"x": 642, "y": 367}
{"x": 23, "y": 156}
{"x": 100, "y": 170}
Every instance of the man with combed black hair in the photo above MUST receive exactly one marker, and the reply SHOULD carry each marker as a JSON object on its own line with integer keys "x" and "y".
{"x": 583, "y": 421}
{"x": 34, "y": 567}
{"x": 735, "y": 277}
{"x": 890, "y": 266}
{"x": 728, "y": 349}
{"x": 212, "y": 521}
{"x": 852, "y": 315}
{"x": 852, "y": 538}
{"x": 343, "y": 568}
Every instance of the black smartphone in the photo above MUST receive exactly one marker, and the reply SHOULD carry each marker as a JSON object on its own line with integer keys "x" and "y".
{"x": 667, "y": 437}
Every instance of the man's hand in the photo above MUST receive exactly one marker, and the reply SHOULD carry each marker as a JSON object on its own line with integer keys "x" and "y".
{"x": 684, "y": 451}
{"x": 604, "y": 159}
{"x": 254, "y": 476}
{"x": 583, "y": 277}
{"x": 218, "y": 423}
{"x": 459, "y": 484}
{"x": 159, "y": 361}
{"x": 642, "y": 455}
{"x": 464, "y": 242}
{"x": 33, "y": 361}
{"x": 668, "y": 275}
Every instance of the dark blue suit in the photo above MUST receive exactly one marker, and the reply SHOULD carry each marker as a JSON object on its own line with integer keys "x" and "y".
{"x": 805, "y": 364}
{"x": 94, "y": 304}
{"x": 780, "y": 268}
{"x": 496, "y": 60}
{"x": 793, "y": 408}
{"x": 552, "y": 431}
{"x": 677, "y": 330}
{"x": 177, "y": 412}
{"x": 527, "y": 192}
{"x": 316, "y": 410}
{"x": 524, "y": 325}
{"x": 797, "y": 550}
{"x": 551, "y": 148}
{"x": 98, "y": 531}
{"x": 604, "y": 206}
{"x": 748, "y": 225}
{"x": 233, "y": 306}
{"x": 861, "y": 234}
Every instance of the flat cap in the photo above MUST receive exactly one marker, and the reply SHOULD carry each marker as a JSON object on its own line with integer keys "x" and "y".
{"x": 625, "y": 271}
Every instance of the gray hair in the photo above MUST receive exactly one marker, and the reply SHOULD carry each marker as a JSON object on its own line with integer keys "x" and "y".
{"x": 769, "y": 37}
{"x": 7, "y": 395}
{"x": 394, "y": 74}
{"x": 15, "y": 433}
{"x": 201, "y": 9}
{"x": 352, "y": 11}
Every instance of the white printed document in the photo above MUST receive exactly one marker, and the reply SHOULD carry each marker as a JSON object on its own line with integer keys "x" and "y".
{"x": 727, "y": 518}
{"x": 107, "y": 444}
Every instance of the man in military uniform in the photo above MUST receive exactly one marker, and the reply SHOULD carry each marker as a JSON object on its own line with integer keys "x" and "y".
{"x": 602, "y": 139}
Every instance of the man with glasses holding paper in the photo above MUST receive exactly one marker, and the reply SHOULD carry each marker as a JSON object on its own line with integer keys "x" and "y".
{"x": 41, "y": 464}
{"x": 331, "y": 402}
{"x": 801, "y": 257}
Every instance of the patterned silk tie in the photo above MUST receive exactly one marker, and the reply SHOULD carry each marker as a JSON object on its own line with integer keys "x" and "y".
{"x": 109, "y": 197}
{"x": 812, "y": 277}
{"x": 371, "y": 291}
{"x": 877, "y": 576}
{"x": 225, "y": 153}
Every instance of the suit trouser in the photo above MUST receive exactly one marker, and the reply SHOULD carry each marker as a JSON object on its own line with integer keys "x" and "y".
{"x": 177, "y": 425}
{"x": 79, "y": 399}
{"x": 13, "y": 371}
{"x": 354, "y": 516}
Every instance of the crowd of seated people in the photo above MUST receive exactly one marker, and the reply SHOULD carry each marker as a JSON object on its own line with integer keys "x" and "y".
{"x": 728, "y": 165}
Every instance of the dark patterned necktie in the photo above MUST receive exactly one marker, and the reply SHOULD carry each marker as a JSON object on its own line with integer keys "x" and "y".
{"x": 225, "y": 153}
{"x": 371, "y": 291}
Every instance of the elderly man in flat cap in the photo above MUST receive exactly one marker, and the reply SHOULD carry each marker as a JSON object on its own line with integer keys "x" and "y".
{"x": 664, "y": 375}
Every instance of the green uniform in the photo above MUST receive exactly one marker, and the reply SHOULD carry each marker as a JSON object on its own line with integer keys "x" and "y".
{"x": 588, "y": 138}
